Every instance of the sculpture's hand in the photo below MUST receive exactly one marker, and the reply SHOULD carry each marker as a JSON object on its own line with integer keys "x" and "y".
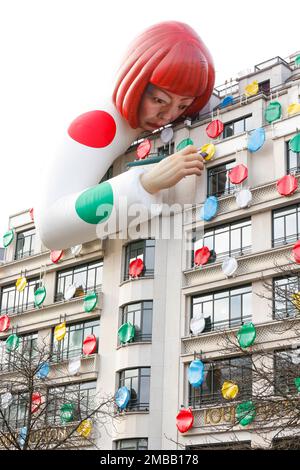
{"x": 172, "y": 169}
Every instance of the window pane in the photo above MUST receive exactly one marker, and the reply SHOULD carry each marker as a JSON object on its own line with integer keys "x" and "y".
{"x": 222, "y": 242}
{"x": 221, "y": 311}
{"x": 278, "y": 228}
{"x": 291, "y": 225}
{"x": 239, "y": 126}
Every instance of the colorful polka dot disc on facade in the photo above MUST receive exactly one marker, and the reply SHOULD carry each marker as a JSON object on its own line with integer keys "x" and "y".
{"x": 95, "y": 129}
{"x": 89, "y": 345}
{"x": 12, "y": 343}
{"x": 60, "y": 331}
{"x": 122, "y": 397}
{"x": 39, "y": 296}
{"x": 21, "y": 283}
{"x": 36, "y": 401}
{"x": 287, "y": 185}
{"x": 8, "y": 238}
{"x": 56, "y": 255}
{"x": 90, "y": 301}
{"x": 252, "y": 89}
{"x": 246, "y": 335}
{"x": 201, "y": 256}
{"x": 209, "y": 209}
{"x": 293, "y": 108}
{"x": 245, "y": 413}
{"x": 67, "y": 412}
{"x": 136, "y": 267}
{"x": 228, "y": 100}
{"x": 238, "y": 174}
{"x": 184, "y": 420}
{"x": 214, "y": 129}
{"x": 43, "y": 370}
{"x": 85, "y": 428}
{"x": 196, "y": 373}
{"x": 229, "y": 390}
{"x": 296, "y": 252}
{"x": 294, "y": 144}
{"x": 273, "y": 112}
{"x": 143, "y": 149}
{"x": 126, "y": 332}
{"x": 4, "y": 323}
{"x": 256, "y": 139}
{"x": 184, "y": 143}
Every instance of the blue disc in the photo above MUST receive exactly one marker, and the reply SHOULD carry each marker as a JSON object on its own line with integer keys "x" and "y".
{"x": 122, "y": 397}
{"x": 210, "y": 208}
{"x": 256, "y": 139}
{"x": 196, "y": 373}
{"x": 43, "y": 371}
{"x": 226, "y": 101}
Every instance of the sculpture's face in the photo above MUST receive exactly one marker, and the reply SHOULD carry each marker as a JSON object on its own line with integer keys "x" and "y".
{"x": 159, "y": 107}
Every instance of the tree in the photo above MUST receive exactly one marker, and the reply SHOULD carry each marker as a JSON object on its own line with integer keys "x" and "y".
{"x": 38, "y": 410}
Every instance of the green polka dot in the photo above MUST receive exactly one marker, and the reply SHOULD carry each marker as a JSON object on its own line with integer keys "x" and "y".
{"x": 184, "y": 143}
{"x": 95, "y": 204}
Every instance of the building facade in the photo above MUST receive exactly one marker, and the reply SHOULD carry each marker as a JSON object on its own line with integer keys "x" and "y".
{"x": 172, "y": 289}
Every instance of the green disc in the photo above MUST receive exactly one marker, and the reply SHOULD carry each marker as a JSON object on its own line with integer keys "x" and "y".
{"x": 246, "y": 335}
{"x": 297, "y": 383}
{"x": 294, "y": 144}
{"x": 67, "y": 412}
{"x": 273, "y": 112}
{"x": 8, "y": 238}
{"x": 126, "y": 332}
{"x": 245, "y": 413}
{"x": 184, "y": 143}
{"x": 297, "y": 61}
{"x": 12, "y": 343}
{"x": 90, "y": 301}
{"x": 39, "y": 296}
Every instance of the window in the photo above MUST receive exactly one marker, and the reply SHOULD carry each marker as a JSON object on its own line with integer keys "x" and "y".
{"x": 82, "y": 395}
{"x": 132, "y": 444}
{"x": 140, "y": 315}
{"x": 165, "y": 150}
{"x": 85, "y": 277}
{"x": 286, "y": 368}
{"x": 283, "y": 289}
{"x": 227, "y": 240}
{"x": 218, "y": 182}
{"x": 293, "y": 160}
{"x": 138, "y": 382}
{"x": 16, "y": 414}
{"x": 236, "y": 127}
{"x": 25, "y": 353}
{"x": 71, "y": 345}
{"x": 235, "y": 445}
{"x": 108, "y": 175}
{"x": 286, "y": 225}
{"x": 13, "y": 301}
{"x": 237, "y": 370}
{"x": 225, "y": 309}
{"x": 264, "y": 87}
{"x": 25, "y": 244}
{"x": 143, "y": 249}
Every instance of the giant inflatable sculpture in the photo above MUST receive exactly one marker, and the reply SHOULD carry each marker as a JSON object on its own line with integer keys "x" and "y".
{"x": 168, "y": 72}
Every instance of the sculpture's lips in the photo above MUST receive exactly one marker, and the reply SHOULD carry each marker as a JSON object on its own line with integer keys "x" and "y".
{"x": 154, "y": 126}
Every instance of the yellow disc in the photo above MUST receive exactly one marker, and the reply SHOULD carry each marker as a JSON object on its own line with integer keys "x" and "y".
{"x": 85, "y": 428}
{"x": 229, "y": 390}
{"x": 296, "y": 299}
{"x": 60, "y": 331}
{"x": 252, "y": 89}
{"x": 293, "y": 108}
{"x": 21, "y": 284}
{"x": 210, "y": 149}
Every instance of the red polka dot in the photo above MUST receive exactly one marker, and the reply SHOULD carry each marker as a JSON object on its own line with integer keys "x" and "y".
{"x": 143, "y": 149}
{"x": 95, "y": 129}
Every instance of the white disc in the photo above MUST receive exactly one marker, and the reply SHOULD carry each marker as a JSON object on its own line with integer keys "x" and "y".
{"x": 197, "y": 325}
{"x": 74, "y": 365}
{"x": 70, "y": 291}
{"x": 166, "y": 135}
{"x": 229, "y": 266}
{"x": 6, "y": 400}
{"x": 243, "y": 198}
{"x": 75, "y": 250}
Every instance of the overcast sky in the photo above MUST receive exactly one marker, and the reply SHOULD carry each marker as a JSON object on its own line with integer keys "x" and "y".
{"x": 59, "y": 57}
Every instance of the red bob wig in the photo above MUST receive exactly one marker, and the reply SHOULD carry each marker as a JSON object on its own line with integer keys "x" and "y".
{"x": 171, "y": 56}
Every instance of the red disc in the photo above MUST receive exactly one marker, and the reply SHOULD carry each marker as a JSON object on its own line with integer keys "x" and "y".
{"x": 89, "y": 345}
{"x": 36, "y": 401}
{"x": 55, "y": 255}
{"x": 184, "y": 420}
{"x": 143, "y": 149}
{"x": 287, "y": 185}
{"x": 4, "y": 323}
{"x": 214, "y": 129}
{"x": 296, "y": 251}
{"x": 201, "y": 256}
{"x": 238, "y": 174}
{"x": 31, "y": 214}
{"x": 95, "y": 129}
{"x": 136, "y": 267}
